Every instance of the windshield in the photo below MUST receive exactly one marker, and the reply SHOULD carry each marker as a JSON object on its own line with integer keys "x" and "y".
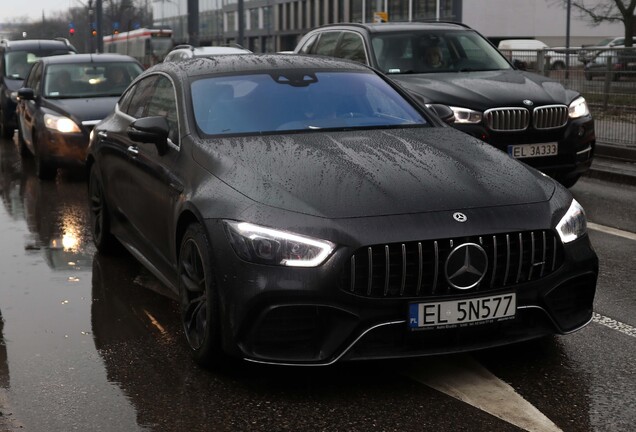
{"x": 161, "y": 46}
{"x": 435, "y": 52}
{"x": 18, "y": 63}
{"x": 75, "y": 80}
{"x": 292, "y": 101}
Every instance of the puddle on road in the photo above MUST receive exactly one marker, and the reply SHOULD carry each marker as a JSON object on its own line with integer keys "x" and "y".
{"x": 48, "y": 356}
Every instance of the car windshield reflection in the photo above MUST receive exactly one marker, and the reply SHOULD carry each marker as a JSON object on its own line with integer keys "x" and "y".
{"x": 435, "y": 52}
{"x": 324, "y": 100}
{"x": 80, "y": 80}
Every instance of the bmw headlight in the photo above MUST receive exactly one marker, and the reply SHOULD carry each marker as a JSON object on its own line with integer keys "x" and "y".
{"x": 275, "y": 247}
{"x": 466, "y": 116}
{"x": 578, "y": 108}
{"x": 60, "y": 124}
{"x": 573, "y": 224}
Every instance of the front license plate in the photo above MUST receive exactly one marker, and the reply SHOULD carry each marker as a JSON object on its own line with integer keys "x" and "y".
{"x": 460, "y": 313}
{"x": 533, "y": 150}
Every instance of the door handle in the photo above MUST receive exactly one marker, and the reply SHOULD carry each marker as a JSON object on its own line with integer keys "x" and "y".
{"x": 132, "y": 150}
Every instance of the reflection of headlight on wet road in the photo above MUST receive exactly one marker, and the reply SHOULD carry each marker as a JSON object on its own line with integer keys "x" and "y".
{"x": 68, "y": 242}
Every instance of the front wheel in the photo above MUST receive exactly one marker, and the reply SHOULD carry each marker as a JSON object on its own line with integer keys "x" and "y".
{"x": 197, "y": 293}
{"x": 5, "y": 130}
{"x": 104, "y": 240}
{"x": 44, "y": 169}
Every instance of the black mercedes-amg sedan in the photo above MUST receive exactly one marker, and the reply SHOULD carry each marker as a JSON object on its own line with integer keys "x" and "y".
{"x": 306, "y": 210}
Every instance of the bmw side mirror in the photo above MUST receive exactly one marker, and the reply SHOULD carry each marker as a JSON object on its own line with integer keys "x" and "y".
{"x": 443, "y": 112}
{"x": 26, "y": 93}
{"x": 153, "y": 130}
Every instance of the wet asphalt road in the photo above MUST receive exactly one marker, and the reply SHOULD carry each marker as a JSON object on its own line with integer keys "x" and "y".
{"x": 89, "y": 343}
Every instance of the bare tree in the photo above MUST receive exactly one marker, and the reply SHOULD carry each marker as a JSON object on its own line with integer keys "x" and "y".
{"x": 598, "y": 11}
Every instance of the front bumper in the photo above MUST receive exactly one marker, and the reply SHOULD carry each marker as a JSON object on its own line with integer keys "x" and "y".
{"x": 577, "y": 143}
{"x": 63, "y": 149}
{"x": 305, "y": 317}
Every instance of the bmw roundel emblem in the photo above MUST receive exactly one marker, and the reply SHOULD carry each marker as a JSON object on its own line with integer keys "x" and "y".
{"x": 460, "y": 217}
{"x": 528, "y": 102}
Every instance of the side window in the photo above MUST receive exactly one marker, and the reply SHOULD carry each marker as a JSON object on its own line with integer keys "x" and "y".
{"x": 139, "y": 100}
{"x": 124, "y": 101}
{"x": 326, "y": 45}
{"x": 307, "y": 47}
{"x": 163, "y": 103}
{"x": 33, "y": 80}
{"x": 351, "y": 47}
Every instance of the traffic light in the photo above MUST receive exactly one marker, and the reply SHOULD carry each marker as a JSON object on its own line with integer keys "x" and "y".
{"x": 71, "y": 31}
{"x": 94, "y": 32}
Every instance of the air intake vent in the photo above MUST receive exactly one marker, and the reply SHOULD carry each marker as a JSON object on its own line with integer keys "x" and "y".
{"x": 550, "y": 117}
{"x": 507, "y": 119}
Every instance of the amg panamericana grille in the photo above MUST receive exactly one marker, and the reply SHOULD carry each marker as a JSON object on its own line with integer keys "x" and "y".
{"x": 416, "y": 269}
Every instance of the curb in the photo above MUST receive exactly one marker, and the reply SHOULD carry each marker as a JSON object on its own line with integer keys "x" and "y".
{"x": 613, "y": 163}
{"x": 613, "y": 170}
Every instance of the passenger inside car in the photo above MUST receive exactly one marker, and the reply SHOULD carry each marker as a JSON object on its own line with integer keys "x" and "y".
{"x": 117, "y": 78}
{"x": 61, "y": 84}
{"x": 433, "y": 57}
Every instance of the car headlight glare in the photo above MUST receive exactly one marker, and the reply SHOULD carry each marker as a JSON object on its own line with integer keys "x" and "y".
{"x": 466, "y": 116}
{"x": 275, "y": 247}
{"x": 573, "y": 224}
{"x": 578, "y": 108}
{"x": 60, "y": 124}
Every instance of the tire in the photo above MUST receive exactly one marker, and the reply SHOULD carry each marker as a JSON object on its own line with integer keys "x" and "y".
{"x": 44, "y": 169}
{"x": 558, "y": 65}
{"x": 5, "y": 130}
{"x": 197, "y": 294}
{"x": 99, "y": 218}
{"x": 24, "y": 150}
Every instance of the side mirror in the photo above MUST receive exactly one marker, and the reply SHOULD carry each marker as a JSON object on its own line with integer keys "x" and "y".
{"x": 26, "y": 93}
{"x": 443, "y": 112}
{"x": 153, "y": 130}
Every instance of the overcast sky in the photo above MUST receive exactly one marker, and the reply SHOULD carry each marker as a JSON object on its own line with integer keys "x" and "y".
{"x": 11, "y": 9}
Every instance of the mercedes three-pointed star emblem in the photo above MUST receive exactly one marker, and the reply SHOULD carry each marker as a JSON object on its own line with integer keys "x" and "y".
{"x": 466, "y": 266}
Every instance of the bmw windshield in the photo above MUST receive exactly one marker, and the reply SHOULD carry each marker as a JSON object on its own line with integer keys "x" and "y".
{"x": 293, "y": 101}
{"x": 435, "y": 52}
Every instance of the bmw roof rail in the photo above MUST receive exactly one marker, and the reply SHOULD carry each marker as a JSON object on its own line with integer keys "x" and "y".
{"x": 62, "y": 39}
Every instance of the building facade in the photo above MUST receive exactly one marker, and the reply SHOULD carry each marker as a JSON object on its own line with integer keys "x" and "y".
{"x": 277, "y": 25}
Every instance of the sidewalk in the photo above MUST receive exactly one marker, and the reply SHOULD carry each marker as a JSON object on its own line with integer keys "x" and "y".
{"x": 614, "y": 163}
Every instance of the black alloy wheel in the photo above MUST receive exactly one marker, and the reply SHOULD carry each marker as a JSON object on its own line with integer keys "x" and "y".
{"x": 104, "y": 240}
{"x": 198, "y": 297}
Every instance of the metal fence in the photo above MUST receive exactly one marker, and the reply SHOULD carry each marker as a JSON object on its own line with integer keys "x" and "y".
{"x": 606, "y": 77}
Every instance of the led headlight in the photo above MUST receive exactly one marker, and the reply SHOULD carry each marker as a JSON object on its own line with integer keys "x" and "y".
{"x": 573, "y": 224}
{"x": 465, "y": 115}
{"x": 275, "y": 247}
{"x": 578, "y": 108}
{"x": 60, "y": 124}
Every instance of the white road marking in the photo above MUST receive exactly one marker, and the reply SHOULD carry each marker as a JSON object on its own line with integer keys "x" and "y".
{"x": 614, "y": 325}
{"x": 613, "y": 231}
{"x": 465, "y": 379}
